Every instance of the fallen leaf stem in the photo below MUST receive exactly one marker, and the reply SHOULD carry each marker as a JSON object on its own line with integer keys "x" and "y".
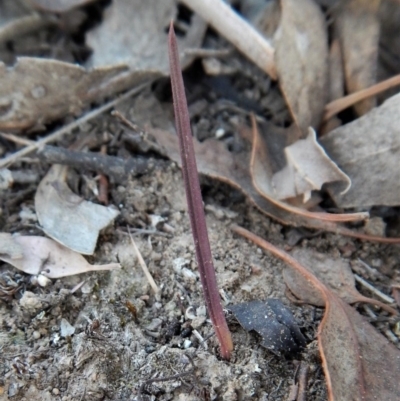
{"x": 338, "y": 105}
{"x": 195, "y": 202}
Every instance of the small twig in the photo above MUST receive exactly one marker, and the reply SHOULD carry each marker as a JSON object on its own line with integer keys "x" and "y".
{"x": 123, "y": 119}
{"x": 215, "y": 53}
{"x": 17, "y": 139}
{"x": 202, "y": 340}
{"x": 370, "y": 312}
{"x": 371, "y": 270}
{"x": 58, "y": 134}
{"x": 103, "y": 182}
{"x": 168, "y": 378}
{"x": 336, "y": 106}
{"x": 138, "y": 231}
{"x": 390, "y": 335}
{"x": 302, "y": 380}
{"x": 144, "y": 266}
{"x": 77, "y": 287}
{"x": 114, "y": 167}
{"x": 378, "y": 293}
{"x": 239, "y": 32}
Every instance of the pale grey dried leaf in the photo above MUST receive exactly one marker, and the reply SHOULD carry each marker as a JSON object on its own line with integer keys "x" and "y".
{"x": 357, "y": 27}
{"x": 134, "y": 33}
{"x": 301, "y": 46}
{"x": 44, "y": 256}
{"x": 9, "y": 247}
{"x": 368, "y": 151}
{"x": 308, "y": 168}
{"x": 36, "y": 91}
{"x": 66, "y": 217}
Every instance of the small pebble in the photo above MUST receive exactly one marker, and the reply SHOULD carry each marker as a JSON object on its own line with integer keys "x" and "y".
{"x": 219, "y": 133}
{"x": 187, "y": 344}
{"x": 43, "y": 281}
{"x": 149, "y": 349}
{"x": 66, "y": 329}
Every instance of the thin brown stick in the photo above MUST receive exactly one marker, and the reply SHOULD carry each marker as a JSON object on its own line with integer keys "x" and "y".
{"x": 17, "y": 139}
{"x": 114, "y": 167}
{"x": 144, "y": 266}
{"x": 237, "y": 31}
{"x": 343, "y": 103}
{"x": 303, "y": 372}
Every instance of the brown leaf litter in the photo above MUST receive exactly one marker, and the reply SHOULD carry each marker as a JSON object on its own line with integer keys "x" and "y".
{"x": 335, "y": 273}
{"x": 37, "y": 91}
{"x": 43, "y": 256}
{"x": 359, "y": 363}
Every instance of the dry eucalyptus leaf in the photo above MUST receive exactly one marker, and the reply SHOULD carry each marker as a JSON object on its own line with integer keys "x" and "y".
{"x": 66, "y": 217}
{"x": 40, "y": 255}
{"x": 133, "y": 32}
{"x": 262, "y": 173}
{"x": 368, "y": 151}
{"x": 36, "y": 91}
{"x": 357, "y": 27}
{"x": 301, "y": 46}
{"x": 273, "y": 321}
{"x": 9, "y": 247}
{"x": 308, "y": 168}
{"x": 335, "y": 273}
{"x": 359, "y": 363}
{"x": 58, "y": 6}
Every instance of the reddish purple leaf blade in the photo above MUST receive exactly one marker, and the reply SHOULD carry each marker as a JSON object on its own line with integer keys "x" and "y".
{"x": 195, "y": 201}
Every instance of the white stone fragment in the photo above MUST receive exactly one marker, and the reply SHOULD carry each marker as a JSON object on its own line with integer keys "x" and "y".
{"x": 66, "y": 329}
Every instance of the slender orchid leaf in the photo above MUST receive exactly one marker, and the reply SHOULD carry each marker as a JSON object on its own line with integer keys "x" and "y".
{"x": 195, "y": 202}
